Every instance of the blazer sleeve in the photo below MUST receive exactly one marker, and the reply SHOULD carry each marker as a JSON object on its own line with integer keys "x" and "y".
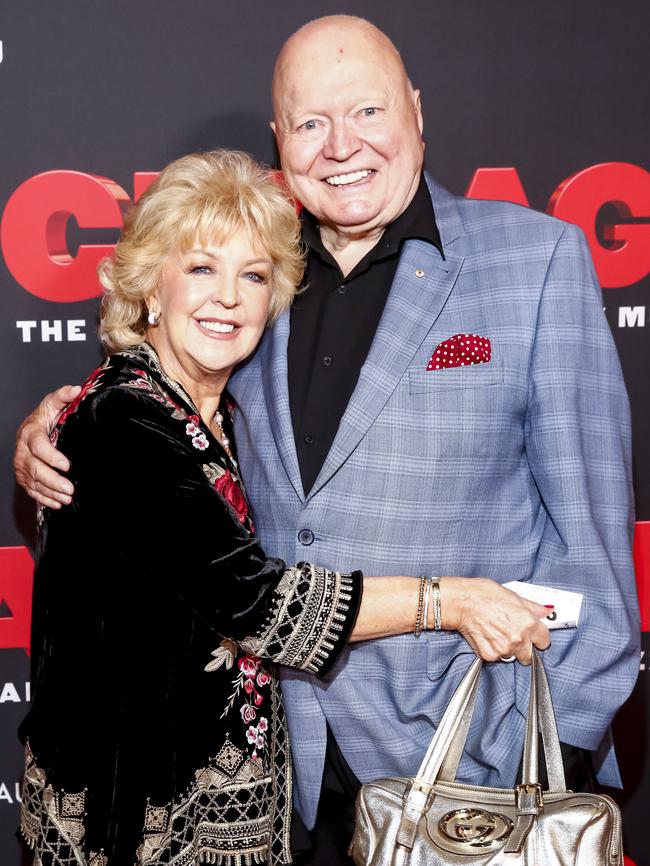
{"x": 140, "y": 488}
{"x": 578, "y": 446}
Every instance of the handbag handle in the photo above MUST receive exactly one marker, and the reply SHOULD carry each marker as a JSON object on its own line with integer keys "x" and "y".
{"x": 445, "y": 750}
{"x": 541, "y": 715}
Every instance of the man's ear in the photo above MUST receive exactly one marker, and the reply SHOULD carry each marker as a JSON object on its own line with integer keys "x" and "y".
{"x": 273, "y": 127}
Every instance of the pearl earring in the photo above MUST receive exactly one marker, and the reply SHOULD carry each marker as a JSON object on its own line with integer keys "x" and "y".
{"x": 153, "y": 318}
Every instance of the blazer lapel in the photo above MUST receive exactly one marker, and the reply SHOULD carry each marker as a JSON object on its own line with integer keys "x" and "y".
{"x": 418, "y": 294}
{"x": 273, "y": 360}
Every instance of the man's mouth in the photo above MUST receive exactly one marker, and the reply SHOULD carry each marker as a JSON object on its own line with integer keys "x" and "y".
{"x": 346, "y": 179}
{"x": 217, "y": 327}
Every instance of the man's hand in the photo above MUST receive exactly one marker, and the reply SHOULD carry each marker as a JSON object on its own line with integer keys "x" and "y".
{"x": 494, "y": 621}
{"x": 36, "y": 462}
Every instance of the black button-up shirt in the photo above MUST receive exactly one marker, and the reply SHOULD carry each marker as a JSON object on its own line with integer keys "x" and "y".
{"x": 333, "y": 323}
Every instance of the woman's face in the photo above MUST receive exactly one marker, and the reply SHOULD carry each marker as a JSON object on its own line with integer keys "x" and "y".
{"x": 214, "y": 303}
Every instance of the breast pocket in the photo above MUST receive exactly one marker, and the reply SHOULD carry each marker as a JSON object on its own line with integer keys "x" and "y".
{"x": 455, "y": 378}
{"x": 461, "y": 412}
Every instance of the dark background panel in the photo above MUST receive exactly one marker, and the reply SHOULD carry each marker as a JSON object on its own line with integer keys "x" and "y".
{"x": 118, "y": 87}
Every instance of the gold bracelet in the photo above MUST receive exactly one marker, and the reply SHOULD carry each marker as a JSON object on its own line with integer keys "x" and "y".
{"x": 417, "y": 631}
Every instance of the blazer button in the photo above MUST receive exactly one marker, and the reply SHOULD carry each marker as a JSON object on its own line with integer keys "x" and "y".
{"x": 306, "y": 537}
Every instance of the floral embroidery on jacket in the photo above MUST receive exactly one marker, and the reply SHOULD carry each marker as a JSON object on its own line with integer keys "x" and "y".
{"x": 91, "y": 384}
{"x": 251, "y": 680}
{"x": 192, "y": 429}
{"x": 228, "y": 487}
{"x": 143, "y": 381}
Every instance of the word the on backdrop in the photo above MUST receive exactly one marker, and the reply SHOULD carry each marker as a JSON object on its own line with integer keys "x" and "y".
{"x": 54, "y": 330}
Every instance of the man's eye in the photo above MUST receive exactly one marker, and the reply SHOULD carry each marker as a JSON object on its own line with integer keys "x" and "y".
{"x": 368, "y": 112}
{"x": 307, "y": 126}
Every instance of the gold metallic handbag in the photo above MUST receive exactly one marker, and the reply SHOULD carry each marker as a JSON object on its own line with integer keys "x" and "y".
{"x": 432, "y": 820}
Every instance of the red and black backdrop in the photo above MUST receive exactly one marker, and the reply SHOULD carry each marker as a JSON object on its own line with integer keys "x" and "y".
{"x": 545, "y": 103}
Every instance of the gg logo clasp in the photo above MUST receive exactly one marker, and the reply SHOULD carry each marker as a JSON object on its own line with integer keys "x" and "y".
{"x": 466, "y": 831}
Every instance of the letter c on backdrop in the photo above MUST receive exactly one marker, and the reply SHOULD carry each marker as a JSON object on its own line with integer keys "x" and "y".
{"x": 33, "y": 232}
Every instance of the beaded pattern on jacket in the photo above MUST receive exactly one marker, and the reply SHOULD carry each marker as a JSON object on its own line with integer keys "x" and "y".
{"x": 303, "y": 635}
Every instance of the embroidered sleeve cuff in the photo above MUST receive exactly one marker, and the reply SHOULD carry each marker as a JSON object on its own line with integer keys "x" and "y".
{"x": 312, "y": 613}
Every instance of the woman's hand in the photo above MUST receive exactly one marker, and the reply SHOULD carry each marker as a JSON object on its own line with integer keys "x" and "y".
{"x": 495, "y": 621}
{"x": 36, "y": 462}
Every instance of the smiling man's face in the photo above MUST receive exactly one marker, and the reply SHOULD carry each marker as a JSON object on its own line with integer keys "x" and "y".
{"x": 348, "y": 125}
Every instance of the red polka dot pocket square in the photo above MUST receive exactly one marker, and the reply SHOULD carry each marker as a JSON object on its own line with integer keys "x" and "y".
{"x": 461, "y": 350}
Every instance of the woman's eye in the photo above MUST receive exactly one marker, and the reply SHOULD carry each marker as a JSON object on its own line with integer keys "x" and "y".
{"x": 201, "y": 269}
{"x": 254, "y": 277}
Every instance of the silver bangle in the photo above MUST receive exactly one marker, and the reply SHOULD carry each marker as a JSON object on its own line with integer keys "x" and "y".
{"x": 434, "y": 583}
{"x": 427, "y": 598}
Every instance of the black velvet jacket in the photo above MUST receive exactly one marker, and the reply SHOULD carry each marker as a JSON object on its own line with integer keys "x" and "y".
{"x": 156, "y": 733}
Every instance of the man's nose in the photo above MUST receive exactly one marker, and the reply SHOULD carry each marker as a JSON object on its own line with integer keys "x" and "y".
{"x": 341, "y": 142}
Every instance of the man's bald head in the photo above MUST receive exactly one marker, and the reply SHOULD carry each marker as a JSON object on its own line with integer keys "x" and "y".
{"x": 338, "y": 32}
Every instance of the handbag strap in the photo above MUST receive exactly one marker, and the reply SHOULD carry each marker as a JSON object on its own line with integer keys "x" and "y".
{"x": 445, "y": 750}
{"x": 540, "y": 717}
{"x": 417, "y": 794}
{"x": 446, "y": 747}
{"x": 542, "y": 714}
{"x": 528, "y": 795}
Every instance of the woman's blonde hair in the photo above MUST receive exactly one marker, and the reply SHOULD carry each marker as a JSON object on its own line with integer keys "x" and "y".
{"x": 205, "y": 197}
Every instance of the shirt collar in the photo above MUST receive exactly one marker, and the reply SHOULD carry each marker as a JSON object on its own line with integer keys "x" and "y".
{"x": 418, "y": 221}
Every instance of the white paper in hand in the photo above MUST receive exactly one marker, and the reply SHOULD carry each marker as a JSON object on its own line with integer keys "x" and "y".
{"x": 567, "y": 604}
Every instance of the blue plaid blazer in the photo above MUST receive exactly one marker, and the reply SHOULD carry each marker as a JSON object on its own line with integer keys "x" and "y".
{"x": 514, "y": 469}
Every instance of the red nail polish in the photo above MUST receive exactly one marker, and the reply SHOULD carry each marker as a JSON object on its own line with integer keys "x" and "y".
{"x": 549, "y": 606}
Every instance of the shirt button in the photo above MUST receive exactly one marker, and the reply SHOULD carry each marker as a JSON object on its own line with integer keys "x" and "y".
{"x": 342, "y": 289}
{"x": 326, "y": 360}
{"x": 307, "y": 439}
{"x": 306, "y": 537}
